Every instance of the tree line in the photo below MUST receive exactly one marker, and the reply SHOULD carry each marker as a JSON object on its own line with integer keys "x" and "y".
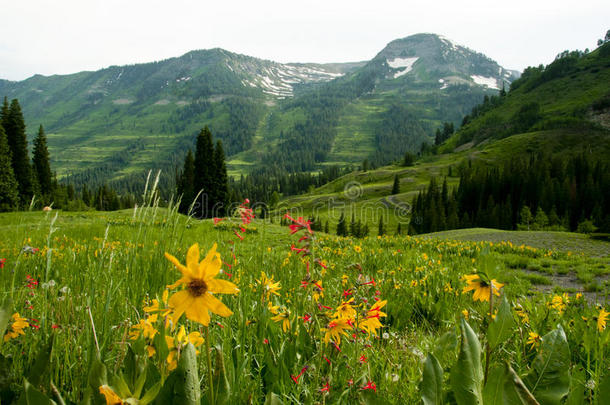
{"x": 538, "y": 192}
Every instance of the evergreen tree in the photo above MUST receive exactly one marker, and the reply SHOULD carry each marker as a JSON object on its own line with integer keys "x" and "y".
{"x": 541, "y": 221}
{"x": 342, "y": 226}
{"x": 526, "y": 216}
{"x": 220, "y": 182}
{"x": 396, "y": 185}
{"x": 18, "y": 144}
{"x": 398, "y": 230}
{"x": 9, "y": 189}
{"x": 186, "y": 183}
{"x": 86, "y": 196}
{"x": 326, "y": 230}
{"x": 42, "y": 167}
{"x": 408, "y": 159}
{"x": 352, "y": 226}
{"x": 204, "y": 165}
{"x": 4, "y": 113}
{"x": 381, "y": 229}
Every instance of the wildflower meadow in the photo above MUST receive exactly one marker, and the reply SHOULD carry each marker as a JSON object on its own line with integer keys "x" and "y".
{"x": 150, "y": 306}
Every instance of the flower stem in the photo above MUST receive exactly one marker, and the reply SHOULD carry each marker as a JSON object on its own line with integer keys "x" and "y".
{"x": 487, "y": 348}
{"x": 209, "y": 361}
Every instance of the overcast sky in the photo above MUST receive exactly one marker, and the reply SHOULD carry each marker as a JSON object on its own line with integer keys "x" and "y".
{"x": 67, "y": 36}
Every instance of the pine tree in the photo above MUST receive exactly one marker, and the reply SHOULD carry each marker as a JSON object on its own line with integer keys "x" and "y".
{"x": 41, "y": 165}
{"x": 381, "y": 229}
{"x": 86, "y": 196}
{"x": 526, "y": 216}
{"x": 342, "y": 226}
{"x": 9, "y": 189}
{"x": 204, "y": 164}
{"x": 326, "y": 227}
{"x": 18, "y": 144}
{"x": 4, "y": 113}
{"x": 186, "y": 183}
{"x": 398, "y": 230}
{"x": 220, "y": 181}
{"x": 396, "y": 185}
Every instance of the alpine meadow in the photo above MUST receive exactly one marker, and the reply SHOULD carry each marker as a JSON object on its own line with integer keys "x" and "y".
{"x": 422, "y": 227}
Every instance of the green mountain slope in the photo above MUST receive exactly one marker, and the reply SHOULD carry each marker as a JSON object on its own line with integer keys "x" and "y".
{"x": 570, "y": 93}
{"x": 572, "y": 119}
{"x": 118, "y": 122}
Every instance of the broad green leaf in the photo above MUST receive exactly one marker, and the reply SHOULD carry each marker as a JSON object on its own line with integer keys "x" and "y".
{"x": 467, "y": 373}
{"x": 502, "y": 326}
{"x": 41, "y": 364}
{"x": 273, "y": 399}
{"x": 515, "y": 391}
{"x": 151, "y": 394}
{"x": 221, "y": 383}
{"x": 493, "y": 392}
{"x": 5, "y": 317}
{"x": 98, "y": 376}
{"x": 33, "y": 396}
{"x": 577, "y": 388}
{"x": 549, "y": 380}
{"x": 182, "y": 385}
{"x": 432, "y": 382}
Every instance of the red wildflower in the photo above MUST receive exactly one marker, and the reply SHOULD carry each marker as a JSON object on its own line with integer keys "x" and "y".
{"x": 2, "y": 261}
{"x": 347, "y": 293}
{"x": 217, "y": 220}
{"x": 238, "y": 235}
{"x": 306, "y": 318}
{"x": 266, "y": 341}
{"x": 363, "y": 359}
{"x": 326, "y": 358}
{"x": 298, "y": 224}
{"x": 326, "y": 388}
{"x": 54, "y": 326}
{"x": 370, "y": 386}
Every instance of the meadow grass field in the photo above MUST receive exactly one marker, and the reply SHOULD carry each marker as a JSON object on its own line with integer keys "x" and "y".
{"x": 93, "y": 314}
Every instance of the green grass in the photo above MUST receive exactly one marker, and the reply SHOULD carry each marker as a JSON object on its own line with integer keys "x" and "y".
{"x": 113, "y": 262}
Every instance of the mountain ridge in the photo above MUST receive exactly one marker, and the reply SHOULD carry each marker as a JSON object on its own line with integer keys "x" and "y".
{"x": 95, "y": 119}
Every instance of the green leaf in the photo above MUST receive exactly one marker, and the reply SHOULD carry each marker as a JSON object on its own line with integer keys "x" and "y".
{"x": 151, "y": 394}
{"x": 549, "y": 380}
{"x": 432, "y": 382}
{"x": 33, "y": 396}
{"x": 5, "y": 317}
{"x": 493, "y": 392}
{"x": 221, "y": 383}
{"x": 604, "y": 388}
{"x": 98, "y": 375}
{"x": 577, "y": 388}
{"x": 467, "y": 373}
{"x": 502, "y": 326}
{"x": 273, "y": 399}
{"x": 515, "y": 391}
{"x": 182, "y": 385}
{"x": 41, "y": 364}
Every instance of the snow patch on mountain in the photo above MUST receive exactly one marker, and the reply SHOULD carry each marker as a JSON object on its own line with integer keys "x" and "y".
{"x": 490, "y": 82}
{"x": 403, "y": 64}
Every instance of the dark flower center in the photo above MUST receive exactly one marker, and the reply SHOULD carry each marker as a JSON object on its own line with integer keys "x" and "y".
{"x": 197, "y": 287}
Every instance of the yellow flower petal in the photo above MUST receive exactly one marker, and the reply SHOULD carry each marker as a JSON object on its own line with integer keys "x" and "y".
{"x": 216, "y": 306}
{"x": 221, "y": 286}
{"x": 192, "y": 260}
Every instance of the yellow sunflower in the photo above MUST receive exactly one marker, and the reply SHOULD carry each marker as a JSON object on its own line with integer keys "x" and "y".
{"x": 17, "y": 327}
{"x": 284, "y": 318}
{"x": 335, "y": 329}
{"x": 346, "y": 310}
{"x": 482, "y": 289}
{"x": 270, "y": 286}
{"x": 601, "y": 320}
{"x": 534, "y": 340}
{"x": 371, "y": 321}
{"x": 197, "y": 298}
